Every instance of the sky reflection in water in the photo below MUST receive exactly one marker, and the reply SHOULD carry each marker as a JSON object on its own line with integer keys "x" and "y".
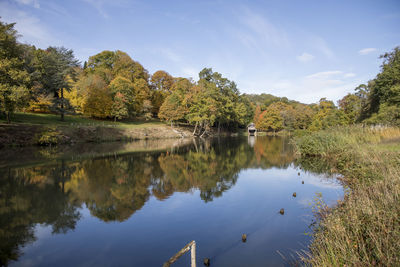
{"x": 98, "y": 207}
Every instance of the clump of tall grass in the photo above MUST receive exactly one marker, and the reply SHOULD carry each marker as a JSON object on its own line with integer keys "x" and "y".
{"x": 346, "y": 148}
{"x": 364, "y": 228}
{"x": 334, "y": 140}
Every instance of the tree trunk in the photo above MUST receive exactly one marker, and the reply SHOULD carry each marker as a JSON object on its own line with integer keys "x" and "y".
{"x": 195, "y": 128}
{"x": 8, "y": 116}
{"x": 62, "y": 104}
{"x": 201, "y": 128}
{"x": 195, "y": 145}
{"x": 219, "y": 128}
{"x": 205, "y": 130}
{"x": 201, "y": 136}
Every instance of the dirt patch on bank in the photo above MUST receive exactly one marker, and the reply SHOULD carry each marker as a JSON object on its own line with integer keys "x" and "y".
{"x": 18, "y": 135}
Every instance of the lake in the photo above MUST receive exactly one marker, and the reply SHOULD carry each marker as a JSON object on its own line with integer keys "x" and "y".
{"x": 137, "y": 204}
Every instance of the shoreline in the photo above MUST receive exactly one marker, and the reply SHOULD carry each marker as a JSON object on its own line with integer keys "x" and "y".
{"x": 24, "y": 135}
{"x": 21, "y": 135}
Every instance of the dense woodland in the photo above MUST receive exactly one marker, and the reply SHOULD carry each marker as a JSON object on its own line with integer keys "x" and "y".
{"x": 113, "y": 86}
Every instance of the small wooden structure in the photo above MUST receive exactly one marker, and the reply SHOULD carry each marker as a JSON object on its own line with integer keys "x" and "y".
{"x": 192, "y": 247}
{"x": 251, "y": 129}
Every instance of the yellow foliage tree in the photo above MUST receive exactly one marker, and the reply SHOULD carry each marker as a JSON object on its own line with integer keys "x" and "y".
{"x": 98, "y": 102}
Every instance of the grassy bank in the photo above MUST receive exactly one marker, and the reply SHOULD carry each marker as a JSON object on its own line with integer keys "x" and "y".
{"x": 47, "y": 129}
{"x": 75, "y": 120}
{"x": 364, "y": 228}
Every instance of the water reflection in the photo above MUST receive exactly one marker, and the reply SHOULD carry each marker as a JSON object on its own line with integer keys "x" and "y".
{"x": 114, "y": 186}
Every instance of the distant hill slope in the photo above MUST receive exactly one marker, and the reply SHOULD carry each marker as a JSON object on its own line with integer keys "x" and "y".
{"x": 264, "y": 100}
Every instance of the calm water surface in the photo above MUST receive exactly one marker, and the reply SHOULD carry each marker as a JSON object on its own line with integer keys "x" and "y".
{"x": 137, "y": 204}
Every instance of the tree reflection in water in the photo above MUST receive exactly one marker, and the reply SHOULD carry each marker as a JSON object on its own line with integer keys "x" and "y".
{"x": 113, "y": 188}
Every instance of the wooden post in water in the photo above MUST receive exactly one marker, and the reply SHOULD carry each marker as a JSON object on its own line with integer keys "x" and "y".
{"x": 192, "y": 247}
{"x": 193, "y": 254}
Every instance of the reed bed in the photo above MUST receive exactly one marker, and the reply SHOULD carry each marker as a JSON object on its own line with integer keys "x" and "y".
{"x": 364, "y": 228}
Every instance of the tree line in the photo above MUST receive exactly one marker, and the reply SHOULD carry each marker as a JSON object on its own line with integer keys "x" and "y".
{"x": 377, "y": 102}
{"x": 111, "y": 85}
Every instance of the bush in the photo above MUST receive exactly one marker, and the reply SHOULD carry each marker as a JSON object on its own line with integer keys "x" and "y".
{"x": 49, "y": 138}
{"x": 389, "y": 115}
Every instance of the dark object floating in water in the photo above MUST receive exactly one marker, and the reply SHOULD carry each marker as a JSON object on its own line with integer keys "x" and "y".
{"x": 206, "y": 261}
{"x": 282, "y": 211}
{"x": 244, "y": 238}
{"x": 294, "y": 194}
{"x": 302, "y": 182}
{"x": 298, "y": 174}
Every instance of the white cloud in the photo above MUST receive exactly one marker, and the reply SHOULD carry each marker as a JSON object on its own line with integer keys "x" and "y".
{"x": 305, "y": 57}
{"x": 349, "y": 75}
{"x": 366, "y": 51}
{"x": 263, "y": 29}
{"x": 314, "y": 88}
{"x": 332, "y": 84}
{"x": 190, "y": 72}
{"x": 170, "y": 55}
{"x": 321, "y": 45}
{"x": 284, "y": 84}
{"x": 34, "y": 3}
{"x": 324, "y": 74}
{"x": 57, "y": 10}
{"x": 257, "y": 33}
{"x": 100, "y": 5}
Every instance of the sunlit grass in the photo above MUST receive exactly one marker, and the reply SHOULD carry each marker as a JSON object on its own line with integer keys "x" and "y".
{"x": 77, "y": 120}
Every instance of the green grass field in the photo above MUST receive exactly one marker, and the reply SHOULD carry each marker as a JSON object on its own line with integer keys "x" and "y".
{"x": 76, "y": 120}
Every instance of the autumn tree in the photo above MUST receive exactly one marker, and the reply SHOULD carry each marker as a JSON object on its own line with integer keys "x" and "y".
{"x": 303, "y": 115}
{"x": 102, "y": 64}
{"x": 142, "y": 93}
{"x": 351, "y": 106}
{"x": 119, "y": 108}
{"x": 227, "y": 97}
{"x": 203, "y": 106}
{"x": 122, "y": 92}
{"x": 55, "y": 67}
{"x": 76, "y": 97}
{"x": 120, "y": 74}
{"x": 126, "y": 67}
{"x": 98, "y": 102}
{"x": 257, "y": 114}
{"x": 272, "y": 118}
{"x": 327, "y": 116}
{"x": 244, "y": 111}
{"x": 174, "y": 107}
{"x": 161, "y": 82}
{"x": 13, "y": 75}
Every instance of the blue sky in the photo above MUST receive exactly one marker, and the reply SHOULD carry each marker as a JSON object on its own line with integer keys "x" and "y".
{"x": 304, "y": 50}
